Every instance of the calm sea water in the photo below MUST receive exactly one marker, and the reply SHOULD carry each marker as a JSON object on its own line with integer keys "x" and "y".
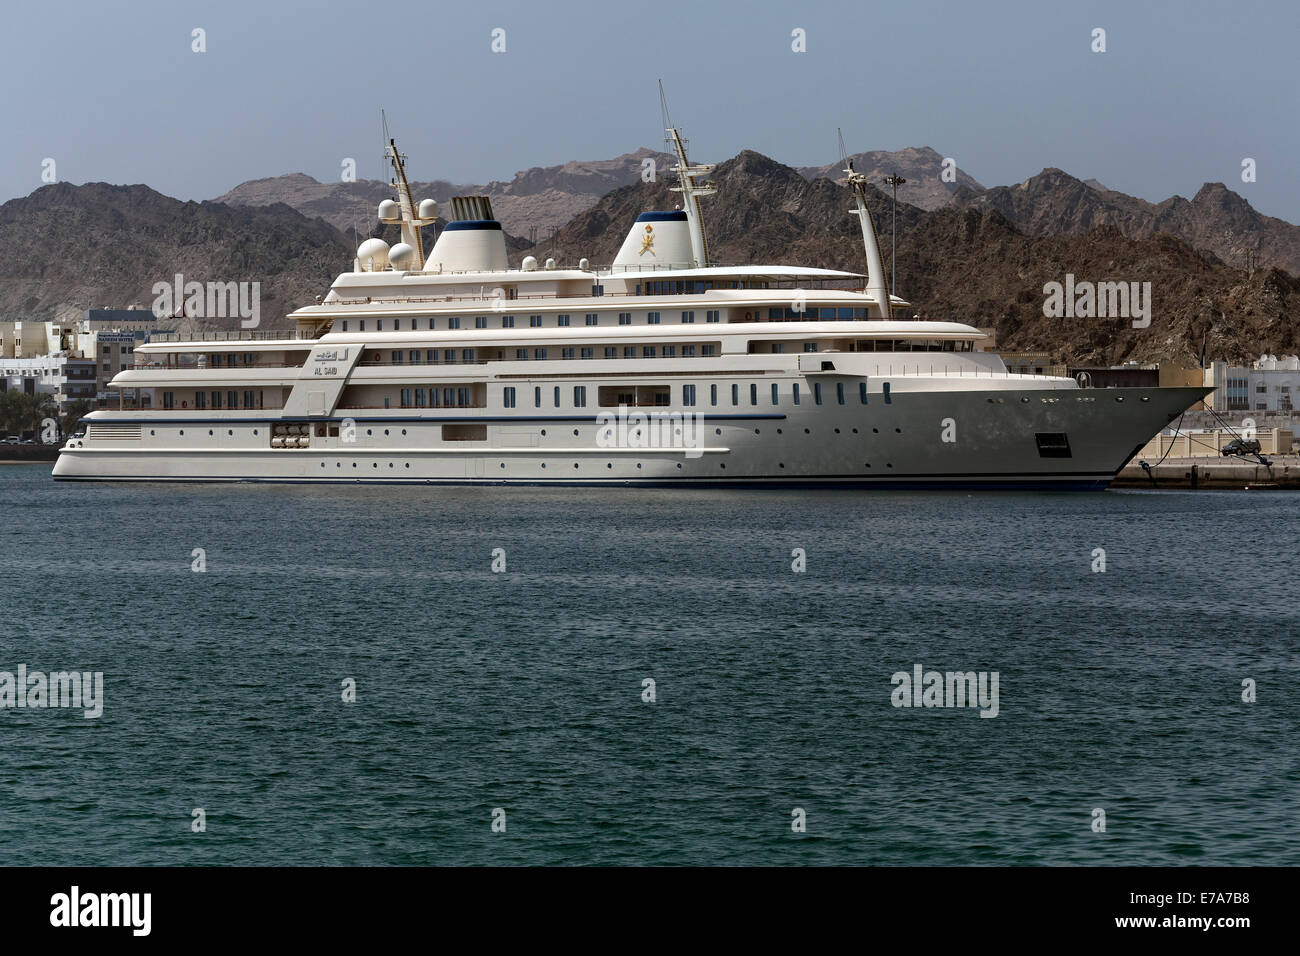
{"x": 523, "y": 690}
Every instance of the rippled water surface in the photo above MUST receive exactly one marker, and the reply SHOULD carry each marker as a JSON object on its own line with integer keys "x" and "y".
{"x": 523, "y": 690}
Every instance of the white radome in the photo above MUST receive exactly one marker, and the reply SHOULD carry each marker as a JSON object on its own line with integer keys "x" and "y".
{"x": 402, "y": 256}
{"x": 428, "y": 209}
{"x": 389, "y": 211}
{"x": 373, "y": 255}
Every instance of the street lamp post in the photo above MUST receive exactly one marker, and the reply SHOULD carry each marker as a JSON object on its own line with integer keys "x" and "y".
{"x": 895, "y": 180}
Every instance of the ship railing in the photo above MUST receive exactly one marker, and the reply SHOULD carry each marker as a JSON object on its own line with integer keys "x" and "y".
{"x": 340, "y": 410}
{"x": 195, "y": 366}
{"x": 234, "y": 335}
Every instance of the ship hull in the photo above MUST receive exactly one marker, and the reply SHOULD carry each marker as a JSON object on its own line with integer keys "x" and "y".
{"x": 1067, "y": 439}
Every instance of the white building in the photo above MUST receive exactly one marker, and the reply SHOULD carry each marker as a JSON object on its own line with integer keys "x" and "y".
{"x": 1270, "y": 384}
{"x": 43, "y": 374}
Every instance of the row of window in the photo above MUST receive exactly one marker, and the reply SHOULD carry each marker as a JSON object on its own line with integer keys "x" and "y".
{"x": 688, "y": 393}
{"x": 809, "y": 312}
{"x": 251, "y": 398}
{"x": 456, "y": 397}
{"x": 659, "y": 395}
{"x": 910, "y": 345}
{"x": 231, "y": 359}
{"x": 691, "y": 286}
{"x": 470, "y": 356}
{"x": 509, "y": 396}
{"x": 563, "y": 320}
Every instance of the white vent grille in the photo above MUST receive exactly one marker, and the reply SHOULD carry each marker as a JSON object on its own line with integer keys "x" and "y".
{"x": 104, "y": 431}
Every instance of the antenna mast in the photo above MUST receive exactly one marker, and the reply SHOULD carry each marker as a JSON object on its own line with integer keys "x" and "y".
{"x": 877, "y": 283}
{"x": 410, "y": 230}
{"x": 690, "y": 188}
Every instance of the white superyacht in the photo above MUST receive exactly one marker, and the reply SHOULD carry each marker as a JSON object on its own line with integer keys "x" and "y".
{"x": 659, "y": 369}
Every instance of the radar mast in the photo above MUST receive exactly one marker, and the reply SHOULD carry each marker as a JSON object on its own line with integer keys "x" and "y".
{"x": 877, "y": 283}
{"x": 690, "y": 188}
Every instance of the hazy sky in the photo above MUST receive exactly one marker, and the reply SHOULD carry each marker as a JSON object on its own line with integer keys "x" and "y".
{"x": 1185, "y": 90}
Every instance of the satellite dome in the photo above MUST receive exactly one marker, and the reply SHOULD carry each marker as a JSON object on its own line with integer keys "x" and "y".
{"x": 373, "y": 255}
{"x": 584, "y": 264}
{"x": 550, "y": 263}
{"x": 428, "y": 209}
{"x": 529, "y": 264}
{"x": 389, "y": 211}
{"x": 402, "y": 256}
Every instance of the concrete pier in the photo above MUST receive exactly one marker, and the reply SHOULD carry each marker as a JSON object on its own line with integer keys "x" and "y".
{"x": 1212, "y": 473}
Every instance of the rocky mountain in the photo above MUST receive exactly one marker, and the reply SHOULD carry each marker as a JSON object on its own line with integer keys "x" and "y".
{"x": 1215, "y": 220}
{"x": 974, "y": 265}
{"x": 922, "y": 167}
{"x": 99, "y": 245}
{"x": 541, "y": 198}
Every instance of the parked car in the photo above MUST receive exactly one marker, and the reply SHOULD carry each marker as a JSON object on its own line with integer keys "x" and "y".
{"x": 1240, "y": 446}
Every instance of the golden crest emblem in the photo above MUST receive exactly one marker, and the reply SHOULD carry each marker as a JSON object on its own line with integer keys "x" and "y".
{"x": 648, "y": 241}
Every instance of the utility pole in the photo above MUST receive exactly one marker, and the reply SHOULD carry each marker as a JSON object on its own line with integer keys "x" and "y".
{"x": 895, "y": 180}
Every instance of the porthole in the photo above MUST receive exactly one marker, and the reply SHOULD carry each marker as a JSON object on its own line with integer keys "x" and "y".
{"x": 1025, "y": 400}
{"x": 638, "y": 464}
{"x": 322, "y": 464}
{"x": 543, "y": 431}
{"x": 807, "y": 431}
{"x": 182, "y": 431}
{"x": 370, "y": 431}
{"x": 679, "y": 465}
{"x": 374, "y": 465}
{"x": 610, "y": 465}
{"x": 543, "y": 464}
{"x": 354, "y": 464}
{"x": 781, "y": 464}
{"x": 210, "y": 432}
{"x": 755, "y": 431}
{"x": 390, "y": 464}
{"x": 254, "y": 431}
{"x": 889, "y": 466}
{"x": 575, "y": 464}
{"x": 837, "y": 431}
{"x": 503, "y": 464}
{"x": 403, "y": 431}
{"x": 408, "y": 464}
{"x": 855, "y": 431}
{"x": 230, "y": 431}
{"x": 779, "y": 432}
{"x": 575, "y": 431}
{"x": 385, "y": 432}
{"x": 898, "y": 430}
{"x": 717, "y": 431}
{"x": 338, "y": 464}
{"x": 1146, "y": 398}
{"x": 152, "y": 432}
{"x": 875, "y": 431}
{"x": 1119, "y": 398}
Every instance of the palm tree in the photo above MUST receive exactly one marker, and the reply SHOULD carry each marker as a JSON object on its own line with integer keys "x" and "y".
{"x": 44, "y": 408}
{"x": 9, "y": 410}
{"x": 74, "y": 412}
{"x": 27, "y": 412}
